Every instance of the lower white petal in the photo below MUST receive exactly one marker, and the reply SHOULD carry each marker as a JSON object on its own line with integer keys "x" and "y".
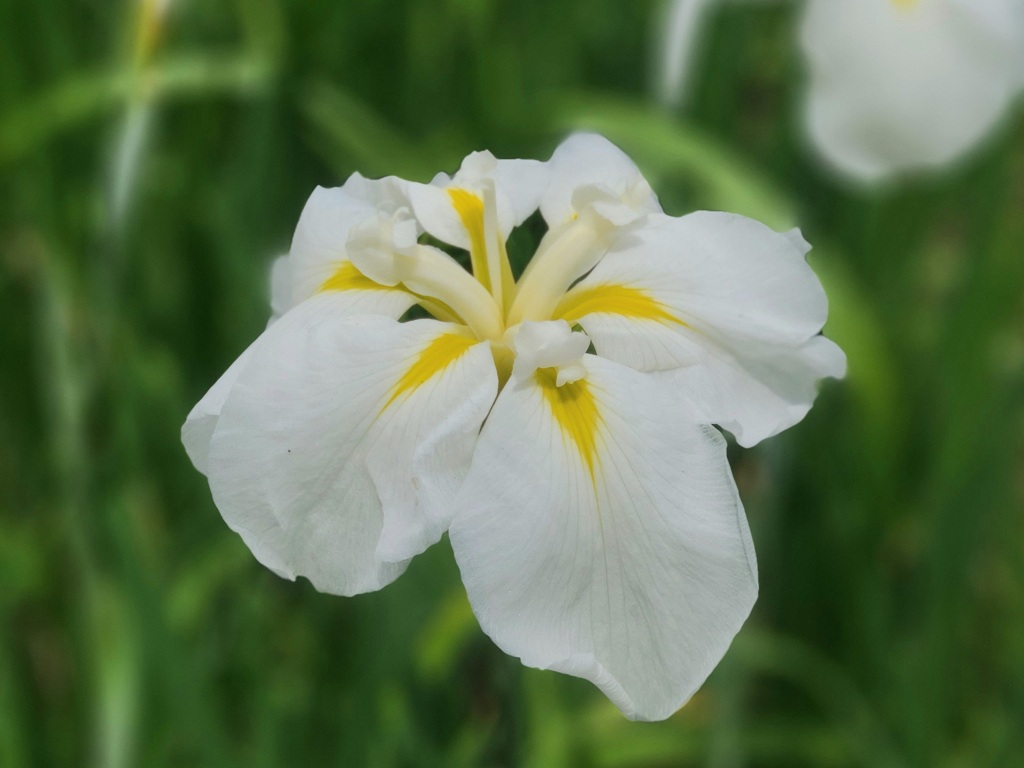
{"x": 343, "y": 441}
{"x": 622, "y": 557}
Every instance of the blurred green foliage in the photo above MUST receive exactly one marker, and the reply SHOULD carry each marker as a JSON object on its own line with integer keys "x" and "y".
{"x": 150, "y": 170}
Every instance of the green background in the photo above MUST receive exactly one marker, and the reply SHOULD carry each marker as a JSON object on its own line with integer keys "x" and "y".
{"x": 138, "y": 630}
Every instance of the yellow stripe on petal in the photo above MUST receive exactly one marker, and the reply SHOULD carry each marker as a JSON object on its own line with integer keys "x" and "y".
{"x": 431, "y": 361}
{"x": 575, "y": 409}
{"x": 623, "y": 300}
{"x": 347, "y": 278}
{"x": 470, "y": 207}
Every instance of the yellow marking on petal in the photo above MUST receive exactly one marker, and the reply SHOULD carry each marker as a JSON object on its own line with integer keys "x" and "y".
{"x": 470, "y": 207}
{"x": 347, "y": 278}
{"x": 575, "y": 409}
{"x": 432, "y": 360}
{"x": 904, "y": 4}
{"x": 622, "y": 300}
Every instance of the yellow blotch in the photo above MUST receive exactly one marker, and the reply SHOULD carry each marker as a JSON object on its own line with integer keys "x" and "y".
{"x": 347, "y": 278}
{"x": 470, "y": 207}
{"x": 575, "y": 409}
{"x": 622, "y": 300}
{"x": 907, "y": 4}
{"x": 432, "y": 360}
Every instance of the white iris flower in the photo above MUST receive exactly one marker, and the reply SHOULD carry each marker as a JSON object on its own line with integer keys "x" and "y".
{"x": 589, "y": 501}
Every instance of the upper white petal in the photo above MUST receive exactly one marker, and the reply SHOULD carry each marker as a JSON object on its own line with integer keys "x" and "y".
{"x": 321, "y": 236}
{"x": 517, "y": 184}
{"x": 636, "y": 577}
{"x": 322, "y": 468}
{"x": 742, "y": 310}
{"x": 896, "y": 88}
{"x": 434, "y": 210}
{"x": 588, "y": 164}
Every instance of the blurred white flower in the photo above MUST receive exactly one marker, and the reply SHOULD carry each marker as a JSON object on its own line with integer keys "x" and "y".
{"x": 898, "y": 86}
{"x": 590, "y": 504}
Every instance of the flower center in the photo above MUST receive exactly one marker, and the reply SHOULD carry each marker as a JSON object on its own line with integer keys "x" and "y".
{"x": 386, "y": 250}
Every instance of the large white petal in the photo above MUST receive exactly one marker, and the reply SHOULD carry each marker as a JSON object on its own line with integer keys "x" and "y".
{"x": 343, "y": 440}
{"x": 724, "y": 302}
{"x": 635, "y": 576}
{"x": 898, "y": 86}
{"x": 197, "y": 431}
{"x": 360, "y": 299}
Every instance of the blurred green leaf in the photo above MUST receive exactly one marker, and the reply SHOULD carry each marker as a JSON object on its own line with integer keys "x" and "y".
{"x": 117, "y": 670}
{"x": 442, "y": 641}
{"x": 828, "y": 685}
{"x": 872, "y": 376}
{"x": 84, "y": 97}
{"x": 351, "y": 133}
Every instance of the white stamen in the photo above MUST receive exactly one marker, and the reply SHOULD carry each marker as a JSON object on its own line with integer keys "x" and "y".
{"x": 550, "y": 344}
